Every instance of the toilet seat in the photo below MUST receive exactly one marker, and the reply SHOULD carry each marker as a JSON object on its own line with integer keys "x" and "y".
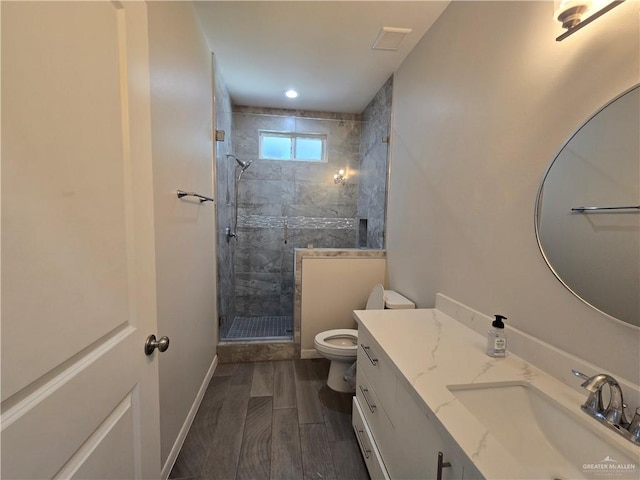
{"x": 341, "y": 345}
{"x": 341, "y": 342}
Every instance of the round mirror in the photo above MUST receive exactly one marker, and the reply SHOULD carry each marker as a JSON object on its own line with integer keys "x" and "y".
{"x": 588, "y": 210}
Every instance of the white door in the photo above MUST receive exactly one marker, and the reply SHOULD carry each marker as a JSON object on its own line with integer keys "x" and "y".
{"x": 79, "y": 395}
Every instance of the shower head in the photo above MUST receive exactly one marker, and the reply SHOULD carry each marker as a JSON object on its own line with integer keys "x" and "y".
{"x": 243, "y": 165}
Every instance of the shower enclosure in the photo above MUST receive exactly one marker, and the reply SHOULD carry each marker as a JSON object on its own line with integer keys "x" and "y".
{"x": 269, "y": 207}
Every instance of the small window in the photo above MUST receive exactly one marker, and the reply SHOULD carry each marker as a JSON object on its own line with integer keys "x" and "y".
{"x": 305, "y": 147}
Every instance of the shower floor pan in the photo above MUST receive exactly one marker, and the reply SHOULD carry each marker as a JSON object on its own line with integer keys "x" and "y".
{"x": 260, "y": 328}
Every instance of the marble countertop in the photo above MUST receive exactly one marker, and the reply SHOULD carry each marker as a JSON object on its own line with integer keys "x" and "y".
{"x": 430, "y": 350}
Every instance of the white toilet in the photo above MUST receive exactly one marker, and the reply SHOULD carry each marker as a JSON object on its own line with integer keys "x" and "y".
{"x": 341, "y": 346}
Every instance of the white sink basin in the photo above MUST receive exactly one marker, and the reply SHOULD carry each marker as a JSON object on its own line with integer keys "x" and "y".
{"x": 546, "y": 438}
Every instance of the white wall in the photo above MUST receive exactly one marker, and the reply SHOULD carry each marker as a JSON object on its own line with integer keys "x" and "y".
{"x": 481, "y": 106}
{"x": 181, "y": 90}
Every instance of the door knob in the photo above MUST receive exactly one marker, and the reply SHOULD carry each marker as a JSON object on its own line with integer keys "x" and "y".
{"x": 151, "y": 344}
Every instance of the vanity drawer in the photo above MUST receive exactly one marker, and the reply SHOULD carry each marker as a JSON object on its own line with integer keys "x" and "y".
{"x": 370, "y": 453}
{"x": 373, "y": 362}
{"x": 374, "y": 414}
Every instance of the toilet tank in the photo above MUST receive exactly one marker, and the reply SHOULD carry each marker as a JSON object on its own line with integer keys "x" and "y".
{"x": 394, "y": 301}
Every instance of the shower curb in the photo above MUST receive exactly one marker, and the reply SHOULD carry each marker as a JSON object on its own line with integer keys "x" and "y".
{"x": 257, "y": 351}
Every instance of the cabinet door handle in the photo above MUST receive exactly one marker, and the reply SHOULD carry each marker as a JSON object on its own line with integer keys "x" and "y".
{"x": 441, "y": 464}
{"x": 365, "y": 450}
{"x": 374, "y": 361}
{"x": 371, "y": 405}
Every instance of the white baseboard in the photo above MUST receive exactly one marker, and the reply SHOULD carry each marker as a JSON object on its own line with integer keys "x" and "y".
{"x": 173, "y": 455}
{"x": 309, "y": 353}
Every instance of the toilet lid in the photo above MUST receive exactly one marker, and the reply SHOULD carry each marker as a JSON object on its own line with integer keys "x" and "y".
{"x": 376, "y": 298}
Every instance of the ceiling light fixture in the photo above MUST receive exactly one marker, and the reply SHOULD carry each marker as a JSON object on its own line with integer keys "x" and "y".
{"x": 570, "y": 13}
{"x": 291, "y": 93}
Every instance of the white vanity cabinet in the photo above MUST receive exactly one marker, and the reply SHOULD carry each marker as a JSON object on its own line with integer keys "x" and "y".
{"x": 418, "y": 443}
{"x": 374, "y": 396}
{"x": 403, "y": 442}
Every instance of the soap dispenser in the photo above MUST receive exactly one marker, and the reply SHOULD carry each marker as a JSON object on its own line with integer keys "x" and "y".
{"x": 496, "y": 338}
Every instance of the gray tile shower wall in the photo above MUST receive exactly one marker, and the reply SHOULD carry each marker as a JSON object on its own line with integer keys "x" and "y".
{"x": 224, "y": 199}
{"x": 376, "y": 125}
{"x": 286, "y": 204}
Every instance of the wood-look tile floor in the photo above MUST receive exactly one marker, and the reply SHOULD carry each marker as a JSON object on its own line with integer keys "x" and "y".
{"x": 271, "y": 421}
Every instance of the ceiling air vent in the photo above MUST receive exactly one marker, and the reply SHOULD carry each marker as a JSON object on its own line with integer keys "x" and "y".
{"x": 390, "y": 38}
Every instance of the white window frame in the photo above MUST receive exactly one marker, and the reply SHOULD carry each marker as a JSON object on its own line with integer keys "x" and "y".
{"x": 293, "y": 136}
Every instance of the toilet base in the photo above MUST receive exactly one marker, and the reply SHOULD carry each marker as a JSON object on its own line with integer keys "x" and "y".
{"x": 337, "y": 371}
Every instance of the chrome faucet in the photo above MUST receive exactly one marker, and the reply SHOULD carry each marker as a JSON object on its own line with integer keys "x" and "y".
{"x": 614, "y": 412}
{"x": 613, "y": 416}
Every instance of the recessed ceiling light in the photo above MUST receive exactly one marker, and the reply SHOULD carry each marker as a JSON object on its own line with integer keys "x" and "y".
{"x": 291, "y": 93}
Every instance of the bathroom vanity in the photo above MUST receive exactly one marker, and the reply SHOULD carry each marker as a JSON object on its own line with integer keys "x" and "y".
{"x": 389, "y": 420}
{"x": 431, "y": 404}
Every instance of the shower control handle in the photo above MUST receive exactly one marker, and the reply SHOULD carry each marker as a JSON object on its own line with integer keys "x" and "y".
{"x": 152, "y": 343}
